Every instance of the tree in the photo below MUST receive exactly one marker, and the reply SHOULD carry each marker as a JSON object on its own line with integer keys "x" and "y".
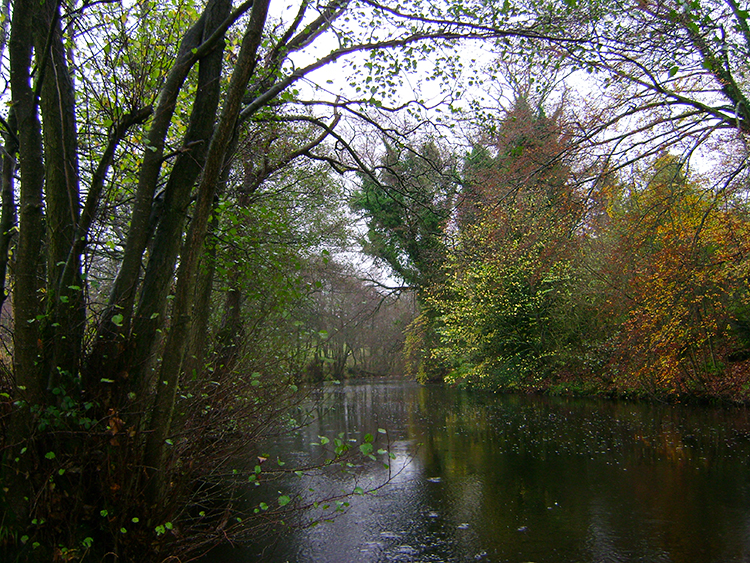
{"x": 502, "y": 309}
{"x": 129, "y": 123}
{"x": 681, "y": 252}
{"x": 666, "y": 77}
{"x": 671, "y": 74}
{"x": 356, "y": 329}
{"x": 407, "y": 208}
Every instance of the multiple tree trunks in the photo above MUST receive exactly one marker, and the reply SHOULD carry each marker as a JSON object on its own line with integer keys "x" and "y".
{"x": 96, "y": 377}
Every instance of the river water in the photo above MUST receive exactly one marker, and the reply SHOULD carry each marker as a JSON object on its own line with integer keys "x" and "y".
{"x": 508, "y": 478}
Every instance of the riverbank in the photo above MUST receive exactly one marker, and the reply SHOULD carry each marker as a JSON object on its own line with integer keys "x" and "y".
{"x": 729, "y": 388}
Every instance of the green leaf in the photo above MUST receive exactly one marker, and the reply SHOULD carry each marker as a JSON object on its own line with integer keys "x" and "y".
{"x": 117, "y": 320}
{"x": 284, "y": 500}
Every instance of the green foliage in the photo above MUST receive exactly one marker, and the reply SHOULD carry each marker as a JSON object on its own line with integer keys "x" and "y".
{"x": 421, "y": 338}
{"x": 501, "y": 315}
{"x": 407, "y": 207}
{"x": 502, "y": 311}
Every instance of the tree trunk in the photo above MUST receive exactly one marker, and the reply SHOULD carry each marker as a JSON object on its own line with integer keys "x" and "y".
{"x": 28, "y": 263}
{"x": 168, "y": 379}
{"x": 160, "y": 269}
{"x": 62, "y": 328}
{"x": 107, "y": 356}
{"x": 196, "y": 350}
{"x": 8, "y": 213}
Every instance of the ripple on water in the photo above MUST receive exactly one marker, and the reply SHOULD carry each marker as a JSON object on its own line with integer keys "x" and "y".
{"x": 371, "y": 546}
{"x": 405, "y": 549}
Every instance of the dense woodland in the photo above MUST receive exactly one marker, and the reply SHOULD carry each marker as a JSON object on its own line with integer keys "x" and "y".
{"x": 634, "y": 285}
{"x": 555, "y": 194}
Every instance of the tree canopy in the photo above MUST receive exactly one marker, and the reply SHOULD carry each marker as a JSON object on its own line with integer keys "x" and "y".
{"x": 174, "y": 183}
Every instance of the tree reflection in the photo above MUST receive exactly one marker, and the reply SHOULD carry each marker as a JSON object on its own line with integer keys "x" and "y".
{"x": 522, "y": 478}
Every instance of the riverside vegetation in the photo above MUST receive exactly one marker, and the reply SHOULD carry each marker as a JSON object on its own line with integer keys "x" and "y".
{"x": 179, "y": 191}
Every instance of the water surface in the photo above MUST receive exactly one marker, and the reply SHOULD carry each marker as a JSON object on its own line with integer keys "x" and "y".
{"x": 507, "y": 478}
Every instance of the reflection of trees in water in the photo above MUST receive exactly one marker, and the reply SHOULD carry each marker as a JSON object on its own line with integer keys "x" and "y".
{"x": 610, "y": 481}
{"x": 549, "y": 480}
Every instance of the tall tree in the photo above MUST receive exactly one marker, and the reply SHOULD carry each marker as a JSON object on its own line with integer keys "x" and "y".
{"x": 407, "y": 207}
{"x": 126, "y": 120}
{"x": 502, "y": 308}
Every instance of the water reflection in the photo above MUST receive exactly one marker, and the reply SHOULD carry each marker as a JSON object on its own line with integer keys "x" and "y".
{"x": 526, "y": 479}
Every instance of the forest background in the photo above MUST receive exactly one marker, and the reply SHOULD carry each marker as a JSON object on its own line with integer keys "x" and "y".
{"x": 181, "y": 183}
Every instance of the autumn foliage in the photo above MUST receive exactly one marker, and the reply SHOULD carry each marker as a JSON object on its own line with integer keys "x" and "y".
{"x": 681, "y": 249}
{"x": 637, "y": 285}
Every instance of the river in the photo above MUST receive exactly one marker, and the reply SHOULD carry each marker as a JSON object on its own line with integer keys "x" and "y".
{"x": 509, "y": 478}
